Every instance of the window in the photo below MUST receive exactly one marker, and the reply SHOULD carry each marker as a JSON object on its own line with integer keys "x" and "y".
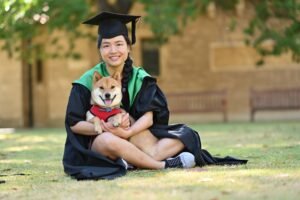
{"x": 150, "y": 56}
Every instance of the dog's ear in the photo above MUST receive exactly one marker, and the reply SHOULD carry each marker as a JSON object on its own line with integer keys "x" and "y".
{"x": 96, "y": 77}
{"x": 117, "y": 76}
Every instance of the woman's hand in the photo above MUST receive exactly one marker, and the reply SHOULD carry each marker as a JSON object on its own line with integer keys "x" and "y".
{"x": 121, "y": 132}
{"x": 138, "y": 126}
{"x": 125, "y": 123}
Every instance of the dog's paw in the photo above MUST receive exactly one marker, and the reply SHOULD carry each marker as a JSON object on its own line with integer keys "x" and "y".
{"x": 115, "y": 121}
{"x": 116, "y": 124}
{"x": 98, "y": 129}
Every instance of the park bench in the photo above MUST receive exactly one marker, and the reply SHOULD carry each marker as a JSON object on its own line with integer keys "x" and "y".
{"x": 275, "y": 99}
{"x": 198, "y": 102}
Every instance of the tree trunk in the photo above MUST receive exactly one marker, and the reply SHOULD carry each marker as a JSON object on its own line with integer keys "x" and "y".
{"x": 118, "y": 6}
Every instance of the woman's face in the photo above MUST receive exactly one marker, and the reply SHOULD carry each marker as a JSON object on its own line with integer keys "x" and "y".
{"x": 114, "y": 51}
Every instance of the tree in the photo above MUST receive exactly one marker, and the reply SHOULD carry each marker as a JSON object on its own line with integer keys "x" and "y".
{"x": 23, "y": 20}
{"x": 261, "y": 30}
{"x": 119, "y": 6}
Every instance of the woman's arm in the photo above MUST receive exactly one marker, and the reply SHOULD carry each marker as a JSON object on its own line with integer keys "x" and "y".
{"x": 84, "y": 128}
{"x": 78, "y": 105}
{"x": 143, "y": 123}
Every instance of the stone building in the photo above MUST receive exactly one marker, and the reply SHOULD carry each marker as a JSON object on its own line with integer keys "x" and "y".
{"x": 207, "y": 56}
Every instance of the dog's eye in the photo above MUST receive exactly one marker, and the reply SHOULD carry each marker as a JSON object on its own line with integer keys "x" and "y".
{"x": 112, "y": 87}
{"x": 102, "y": 88}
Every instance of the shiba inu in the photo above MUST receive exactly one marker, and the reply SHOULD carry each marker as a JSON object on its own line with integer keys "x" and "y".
{"x": 106, "y": 97}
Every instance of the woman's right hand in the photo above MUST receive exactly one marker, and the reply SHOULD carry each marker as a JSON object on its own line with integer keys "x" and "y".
{"x": 118, "y": 131}
{"x": 125, "y": 123}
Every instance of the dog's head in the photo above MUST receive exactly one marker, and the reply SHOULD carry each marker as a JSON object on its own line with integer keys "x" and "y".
{"x": 106, "y": 91}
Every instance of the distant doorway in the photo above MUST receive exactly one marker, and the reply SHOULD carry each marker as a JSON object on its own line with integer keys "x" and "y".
{"x": 27, "y": 95}
{"x": 35, "y": 103}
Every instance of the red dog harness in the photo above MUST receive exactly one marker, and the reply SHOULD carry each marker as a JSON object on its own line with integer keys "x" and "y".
{"x": 104, "y": 113}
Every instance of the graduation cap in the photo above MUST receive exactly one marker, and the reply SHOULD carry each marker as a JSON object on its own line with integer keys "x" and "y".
{"x": 113, "y": 24}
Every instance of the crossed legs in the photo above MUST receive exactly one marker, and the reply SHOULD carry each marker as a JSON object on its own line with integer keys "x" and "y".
{"x": 143, "y": 150}
{"x": 157, "y": 149}
{"x": 114, "y": 147}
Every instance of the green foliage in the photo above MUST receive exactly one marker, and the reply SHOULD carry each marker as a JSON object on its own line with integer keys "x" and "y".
{"x": 170, "y": 18}
{"x": 21, "y": 21}
{"x": 285, "y": 33}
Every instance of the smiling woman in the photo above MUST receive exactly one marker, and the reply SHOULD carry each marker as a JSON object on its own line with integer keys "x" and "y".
{"x": 144, "y": 138}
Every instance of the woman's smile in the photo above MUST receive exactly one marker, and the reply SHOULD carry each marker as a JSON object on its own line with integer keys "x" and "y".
{"x": 114, "y": 58}
{"x": 114, "y": 51}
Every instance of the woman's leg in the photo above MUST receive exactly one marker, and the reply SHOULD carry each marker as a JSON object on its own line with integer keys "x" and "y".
{"x": 114, "y": 147}
{"x": 157, "y": 149}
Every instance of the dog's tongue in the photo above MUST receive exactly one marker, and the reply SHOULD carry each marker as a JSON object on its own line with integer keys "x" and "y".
{"x": 108, "y": 101}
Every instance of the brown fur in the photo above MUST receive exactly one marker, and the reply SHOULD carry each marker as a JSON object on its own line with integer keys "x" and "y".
{"x": 102, "y": 87}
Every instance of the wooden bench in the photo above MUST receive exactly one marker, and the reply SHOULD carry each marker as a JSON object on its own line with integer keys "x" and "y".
{"x": 275, "y": 99}
{"x": 198, "y": 102}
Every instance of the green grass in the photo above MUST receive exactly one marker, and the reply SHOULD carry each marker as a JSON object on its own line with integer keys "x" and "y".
{"x": 30, "y": 165}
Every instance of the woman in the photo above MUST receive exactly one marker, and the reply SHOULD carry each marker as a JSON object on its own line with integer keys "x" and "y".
{"x": 146, "y": 141}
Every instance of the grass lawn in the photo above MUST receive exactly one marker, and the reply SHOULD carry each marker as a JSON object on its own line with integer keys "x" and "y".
{"x": 30, "y": 167}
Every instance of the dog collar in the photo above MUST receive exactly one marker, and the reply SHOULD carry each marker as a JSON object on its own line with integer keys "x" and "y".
{"x": 104, "y": 109}
{"x": 107, "y": 109}
{"x": 104, "y": 113}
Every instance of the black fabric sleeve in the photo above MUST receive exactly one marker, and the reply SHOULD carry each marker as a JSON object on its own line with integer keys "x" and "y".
{"x": 151, "y": 98}
{"x": 78, "y": 105}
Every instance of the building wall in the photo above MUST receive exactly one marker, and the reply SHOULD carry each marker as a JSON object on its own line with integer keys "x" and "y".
{"x": 206, "y": 56}
{"x": 11, "y": 91}
{"x": 61, "y": 73}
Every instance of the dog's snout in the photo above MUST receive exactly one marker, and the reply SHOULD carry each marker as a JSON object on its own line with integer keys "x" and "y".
{"x": 107, "y": 96}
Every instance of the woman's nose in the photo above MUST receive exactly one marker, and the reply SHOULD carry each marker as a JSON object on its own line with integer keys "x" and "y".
{"x": 113, "y": 48}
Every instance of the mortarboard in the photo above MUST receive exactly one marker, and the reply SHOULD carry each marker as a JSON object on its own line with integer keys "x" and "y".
{"x": 113, "y": 24}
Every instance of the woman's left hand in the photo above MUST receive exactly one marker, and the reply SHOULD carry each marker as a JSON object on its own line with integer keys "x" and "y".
{"x": 121, "y": 132}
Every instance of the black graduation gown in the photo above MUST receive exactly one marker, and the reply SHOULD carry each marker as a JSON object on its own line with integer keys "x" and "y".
{"x": 81, "y": 163}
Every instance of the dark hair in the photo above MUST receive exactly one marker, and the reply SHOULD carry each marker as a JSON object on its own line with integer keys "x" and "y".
{"x": 99, "y": 41}
{"x": 126, "y": 76}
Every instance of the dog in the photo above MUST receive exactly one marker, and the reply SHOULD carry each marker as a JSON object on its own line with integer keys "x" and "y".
{"x": 106, "y": 97}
